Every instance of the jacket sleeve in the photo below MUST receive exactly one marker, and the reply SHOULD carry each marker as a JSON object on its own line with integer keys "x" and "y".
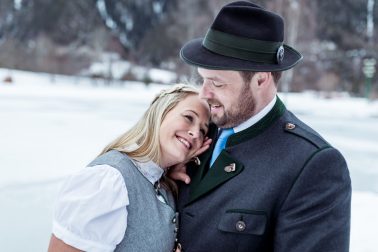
{"x": 315, "y": 216}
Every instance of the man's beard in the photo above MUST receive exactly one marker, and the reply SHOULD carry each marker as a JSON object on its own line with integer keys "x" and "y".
{"x": 239, "y": 112}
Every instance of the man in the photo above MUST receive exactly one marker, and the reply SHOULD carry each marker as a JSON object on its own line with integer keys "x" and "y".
{"x": 277, "y": 185}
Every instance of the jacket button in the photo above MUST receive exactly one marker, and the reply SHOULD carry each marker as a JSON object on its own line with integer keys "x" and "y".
{"x": 290, "y": 126}
{"x": 174, "y": 220}
{"x": 240, "y": 226}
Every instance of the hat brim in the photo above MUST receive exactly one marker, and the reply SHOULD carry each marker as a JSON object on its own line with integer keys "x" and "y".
{"x": 193, "y": 53}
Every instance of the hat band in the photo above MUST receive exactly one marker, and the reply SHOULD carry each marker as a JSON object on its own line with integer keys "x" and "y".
{"x": 242, "y": 48}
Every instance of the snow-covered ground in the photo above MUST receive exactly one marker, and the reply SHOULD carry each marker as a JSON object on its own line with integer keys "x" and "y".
{"x": 50, "y": 129}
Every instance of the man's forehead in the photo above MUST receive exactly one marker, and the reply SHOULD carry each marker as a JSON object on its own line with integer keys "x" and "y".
{"x": 218, "y": 74}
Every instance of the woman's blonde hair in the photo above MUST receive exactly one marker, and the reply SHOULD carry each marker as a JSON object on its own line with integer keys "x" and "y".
{"x": 141, "y": 142}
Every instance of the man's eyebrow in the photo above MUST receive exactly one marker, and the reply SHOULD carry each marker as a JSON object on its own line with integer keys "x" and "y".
{"x": 214, "y": 78}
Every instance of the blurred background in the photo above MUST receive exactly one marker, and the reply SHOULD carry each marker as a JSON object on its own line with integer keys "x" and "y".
{"x": 337, "y": 38}
{"x": 74, "y": 74}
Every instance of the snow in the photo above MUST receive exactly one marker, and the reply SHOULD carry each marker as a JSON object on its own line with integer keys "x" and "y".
{"x": 115, "y": 69}
{"x": 50, "y": 129}
{"x": 157, "y": 7}
{"x": 17, "y": 4}
{"x": 101, "y": 6}
{"x": 111, "y": 66}
{"x": 162, "y": 76}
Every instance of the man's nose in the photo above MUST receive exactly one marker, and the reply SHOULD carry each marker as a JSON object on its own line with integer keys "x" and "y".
{"x": 205, "y": 92}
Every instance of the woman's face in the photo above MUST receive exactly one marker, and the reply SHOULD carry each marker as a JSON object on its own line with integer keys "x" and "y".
{"x": 183, "y": 130}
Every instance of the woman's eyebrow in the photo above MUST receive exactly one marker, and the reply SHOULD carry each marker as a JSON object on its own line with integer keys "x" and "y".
{"x": 206, "y": 124}
{"x": 193, "y": 112}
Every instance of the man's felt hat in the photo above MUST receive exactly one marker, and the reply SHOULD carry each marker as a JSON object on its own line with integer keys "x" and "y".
{"x": 243, "y": 36}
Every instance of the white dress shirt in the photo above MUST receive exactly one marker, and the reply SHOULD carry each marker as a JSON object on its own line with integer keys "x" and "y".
{"x": 91, "y": 209}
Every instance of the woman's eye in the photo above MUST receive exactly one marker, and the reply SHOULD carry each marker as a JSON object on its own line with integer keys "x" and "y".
{"x": 189, "y": 117}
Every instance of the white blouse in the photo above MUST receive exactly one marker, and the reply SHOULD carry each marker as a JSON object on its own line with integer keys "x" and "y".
{"x": 90, "y": 212}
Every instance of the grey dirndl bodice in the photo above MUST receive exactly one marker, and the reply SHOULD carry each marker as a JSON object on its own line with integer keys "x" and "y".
{"x": 151, "y": 224}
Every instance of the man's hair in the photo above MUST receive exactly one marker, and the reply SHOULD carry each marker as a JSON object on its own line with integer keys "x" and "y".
{"x": 247, "y": 76}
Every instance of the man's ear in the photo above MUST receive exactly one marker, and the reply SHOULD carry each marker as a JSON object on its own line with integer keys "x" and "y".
{"x": 262, "y": 77}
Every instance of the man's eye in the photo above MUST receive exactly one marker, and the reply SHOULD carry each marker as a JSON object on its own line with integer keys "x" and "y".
{"x": 217, "y": 84}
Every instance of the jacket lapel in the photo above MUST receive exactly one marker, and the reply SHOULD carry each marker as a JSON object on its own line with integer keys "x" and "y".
{"x": 224, "y": 168}
{"x": 202, "y": 181}
{"x": 199, "y": 172}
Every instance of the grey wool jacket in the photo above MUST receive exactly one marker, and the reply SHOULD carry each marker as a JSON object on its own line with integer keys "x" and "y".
{"x": 151, "y": 224}
{"x": 277, "y": 186}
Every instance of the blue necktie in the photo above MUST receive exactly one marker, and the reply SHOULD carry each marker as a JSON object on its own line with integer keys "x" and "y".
{"x": 221, "y": 143}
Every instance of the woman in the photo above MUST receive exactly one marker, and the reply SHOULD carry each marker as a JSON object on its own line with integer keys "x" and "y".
{"x": 122, "y": 201}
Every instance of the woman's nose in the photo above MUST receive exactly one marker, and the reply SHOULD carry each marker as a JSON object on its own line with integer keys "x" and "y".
{"x": 193, "y": 133}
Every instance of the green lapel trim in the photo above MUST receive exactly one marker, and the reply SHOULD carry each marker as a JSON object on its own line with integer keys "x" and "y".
{"x": 256, "y": 129}
{"x": 216, "y": 176}
{"x": 204, "y": 158}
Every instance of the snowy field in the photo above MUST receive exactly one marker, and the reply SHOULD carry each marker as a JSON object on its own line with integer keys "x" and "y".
{"x": 50, "y": 129}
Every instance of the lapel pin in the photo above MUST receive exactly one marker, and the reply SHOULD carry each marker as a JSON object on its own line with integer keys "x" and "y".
{"x": 230, "y": 168}
{"x": 290, "y": 126}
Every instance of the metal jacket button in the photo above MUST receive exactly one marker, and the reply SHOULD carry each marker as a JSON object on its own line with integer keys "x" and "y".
{"x": 240, "y": 226}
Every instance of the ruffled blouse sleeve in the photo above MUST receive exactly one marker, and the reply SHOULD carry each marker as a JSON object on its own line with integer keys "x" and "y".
{"x": 90, "y": 212}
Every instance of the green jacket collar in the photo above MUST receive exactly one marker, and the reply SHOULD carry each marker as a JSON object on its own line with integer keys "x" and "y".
{"x": 256, "y": 129}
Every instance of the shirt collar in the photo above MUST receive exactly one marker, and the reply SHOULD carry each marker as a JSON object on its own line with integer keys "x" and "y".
{"x": 254, "y": 119}
{"x": 150, "y": 170}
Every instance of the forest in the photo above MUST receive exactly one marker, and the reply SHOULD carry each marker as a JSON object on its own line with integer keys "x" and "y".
{"x": 337, "y": 38}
